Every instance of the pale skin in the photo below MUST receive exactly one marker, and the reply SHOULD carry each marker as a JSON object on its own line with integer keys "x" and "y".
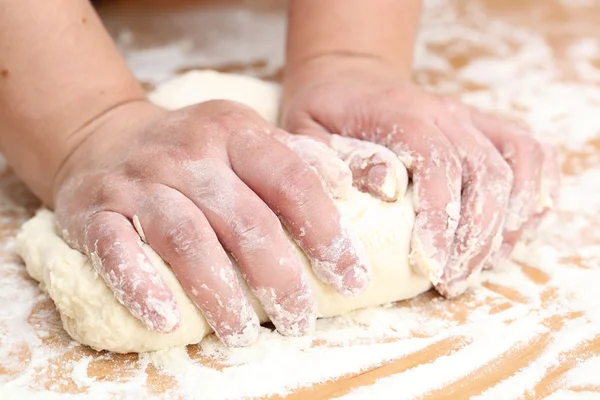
{"x": 216, "y": 178}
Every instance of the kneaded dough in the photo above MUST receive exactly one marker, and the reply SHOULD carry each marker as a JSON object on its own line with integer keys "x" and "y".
{"x": 92, "y": 315}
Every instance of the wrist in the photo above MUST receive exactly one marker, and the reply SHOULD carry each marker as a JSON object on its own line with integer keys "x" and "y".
{"x": 40, "y": 135}
{"x": 350, "y": 31}
{"x": 344, "y": 66}
{"x": 108, "y": 132}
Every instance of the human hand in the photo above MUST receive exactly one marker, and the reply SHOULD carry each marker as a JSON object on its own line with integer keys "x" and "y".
{"x": 195, "y": 183}
{"x": 480, "y": 183}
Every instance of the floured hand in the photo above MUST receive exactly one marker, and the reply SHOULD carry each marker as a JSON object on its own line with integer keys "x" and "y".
{"x": 194, "y": 184}
{"x": 480, "y": 183}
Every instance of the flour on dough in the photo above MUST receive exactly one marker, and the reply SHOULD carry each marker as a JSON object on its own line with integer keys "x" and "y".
{"x": 91, "y": 314}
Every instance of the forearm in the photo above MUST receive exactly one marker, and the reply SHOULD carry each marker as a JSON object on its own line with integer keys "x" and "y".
{"x": 59, "y": 70}
{"x": 384, "y": 30}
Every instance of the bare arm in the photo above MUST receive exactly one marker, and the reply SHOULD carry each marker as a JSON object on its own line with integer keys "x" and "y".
{"x": 59, "y": 70}
{"x": 71, "y": 113}
{"x": 384, "y": 30}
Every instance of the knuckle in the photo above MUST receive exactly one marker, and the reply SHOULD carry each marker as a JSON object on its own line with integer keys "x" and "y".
{"x": 108, "y": 190}
{"x": 101, "y": 232}
{"x": 491, "y": 172}
{"x": 229, "y": 117}
{"x": 95, "y": 225}
{"x": 291, "y": 291}
{"x": 210, "y": 176}
{"x": 185, "y": 238}
{"x": 298, "y": 179}
{"x": 426, "y": 139}
{"x": 255, "y": 229}
{"x": 226, "y": 120}
{"x": 140, "y": 168}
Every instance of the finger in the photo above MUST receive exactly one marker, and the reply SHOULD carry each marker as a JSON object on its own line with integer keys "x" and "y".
{"x": 486, "y": 180}
{"x": 436, "y": 176}
{"x": 253, "y": 234}
{"x": 375, "y": 169}
{"x": 115, "y": 251}
{"x": 486, "y": 190}
{"x": 187, "y": 242}
{"x": 550, "y": 191}
{"x": 525, "y": 156}
{"x": 294, "y": 191}
{"x": 336, "y": 175}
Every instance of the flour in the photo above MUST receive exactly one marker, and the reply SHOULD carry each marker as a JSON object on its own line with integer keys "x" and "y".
{"x": 175, "y": 360}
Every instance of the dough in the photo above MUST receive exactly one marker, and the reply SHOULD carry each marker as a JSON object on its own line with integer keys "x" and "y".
{"x": 91, "y": 314}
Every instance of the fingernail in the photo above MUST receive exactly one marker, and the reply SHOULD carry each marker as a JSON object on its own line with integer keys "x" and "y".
{"x": 161, "y": 315}
{"x": 459, "y": 278}
{"x": 157, "y": 309}
{"x": 355, "y": 281}
{"x": 426, "y": 266}
{"x": 297, "y": 325}
{"x": 246, "y": 335}
{"x": 344, "y": 264}
{"x": 352, "y": 282}
{"x": 357, "y": 277}
{"x": 453, "y": 288}
{"x": 240, "y": 333}
{"x": 300, "y": 327}
{"x": 382, "y": 183}
{"x": 442, "y": 289}
{"x": 293, "y": 314}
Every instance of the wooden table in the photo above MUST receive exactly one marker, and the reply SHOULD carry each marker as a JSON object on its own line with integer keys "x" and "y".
{"x": 538, "y": 60}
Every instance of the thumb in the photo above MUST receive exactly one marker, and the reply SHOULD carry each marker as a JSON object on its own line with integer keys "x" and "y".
{"x": 313, "y": 150}
{"x": 375, "y": 169}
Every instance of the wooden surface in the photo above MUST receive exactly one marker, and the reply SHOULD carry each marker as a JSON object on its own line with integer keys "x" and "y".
{"x": 246, "y": 36}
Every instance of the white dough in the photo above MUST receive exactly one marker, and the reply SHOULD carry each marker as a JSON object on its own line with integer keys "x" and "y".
{"x": 91, "y": 314}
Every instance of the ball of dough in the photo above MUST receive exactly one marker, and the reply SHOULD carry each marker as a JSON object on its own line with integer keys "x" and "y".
{"x": 91, "y": 314}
